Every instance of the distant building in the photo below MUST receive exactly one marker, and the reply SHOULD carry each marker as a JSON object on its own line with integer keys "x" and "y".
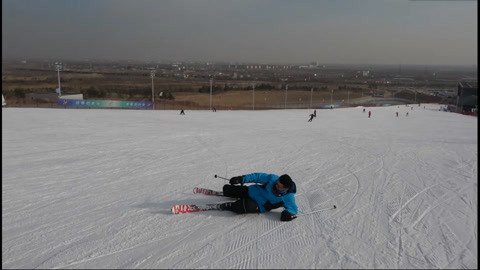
{"x": 467, "y": 95}
{"x": 43, "y": 96}
{"x": 72, "y": 96}
{"x": 52, "y": 97}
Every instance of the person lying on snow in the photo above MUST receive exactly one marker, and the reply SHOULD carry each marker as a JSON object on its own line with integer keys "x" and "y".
{"x": 270, "y": 192}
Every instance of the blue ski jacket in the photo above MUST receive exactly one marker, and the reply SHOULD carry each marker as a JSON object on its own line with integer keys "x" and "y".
{"x": 265, "y": 196}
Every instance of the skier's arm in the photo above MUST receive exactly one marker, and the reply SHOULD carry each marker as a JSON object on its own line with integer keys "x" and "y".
{"x": 289, "y": 204}
{"x": 261, "y": 178}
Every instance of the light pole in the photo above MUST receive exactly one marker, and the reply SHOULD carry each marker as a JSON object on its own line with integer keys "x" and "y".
{"x": 58, "y": 67}
{"x": 331, "y": 99}
{"x": 311, "y": 94}
{"x": 211, "y": 84}
{"x": 286, "y": 93}
{"x": 152, "y": 75}
{"x": 253, "y": 86}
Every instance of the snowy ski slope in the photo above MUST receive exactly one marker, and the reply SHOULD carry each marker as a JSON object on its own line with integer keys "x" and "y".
{"x": 93, "y": 188}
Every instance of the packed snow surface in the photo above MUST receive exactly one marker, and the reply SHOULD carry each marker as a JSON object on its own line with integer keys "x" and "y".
{"x": 94, "y": 188}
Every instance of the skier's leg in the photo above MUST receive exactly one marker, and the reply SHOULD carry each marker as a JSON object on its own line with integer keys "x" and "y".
{"x": 242, "y": 206}
{"x": 235, "y": 191}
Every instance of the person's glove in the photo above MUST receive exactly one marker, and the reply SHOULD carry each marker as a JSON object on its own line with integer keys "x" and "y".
{"x": 236, "y": 180}
{"x": 287, "y": 216}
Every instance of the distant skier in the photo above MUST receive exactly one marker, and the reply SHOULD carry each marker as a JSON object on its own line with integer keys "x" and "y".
{"x": 369, "y": 114}
{"x": 270, "y": 192}
{"x": 182, "y": 112}
{"x": 315, "y": 112}
{"x": 311, "y": 117}
{"x": 397, "y": 114}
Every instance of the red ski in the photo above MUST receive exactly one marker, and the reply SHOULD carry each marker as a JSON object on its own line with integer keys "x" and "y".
{"x": 207, "y": 191}
{"x": 190, "y": 208}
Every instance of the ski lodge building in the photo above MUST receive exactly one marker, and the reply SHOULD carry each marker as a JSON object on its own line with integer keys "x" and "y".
{"x": 467, "y": 95}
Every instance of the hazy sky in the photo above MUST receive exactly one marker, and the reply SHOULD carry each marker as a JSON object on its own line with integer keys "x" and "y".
{"x": 263, "y": 31}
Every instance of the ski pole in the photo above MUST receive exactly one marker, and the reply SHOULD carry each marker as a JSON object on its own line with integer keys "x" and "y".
{"x": 216, "y": 176}
{"x": 319, "y": 210}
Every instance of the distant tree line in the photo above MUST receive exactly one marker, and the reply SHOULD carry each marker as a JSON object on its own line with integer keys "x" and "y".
{"x": 226, "y": 87}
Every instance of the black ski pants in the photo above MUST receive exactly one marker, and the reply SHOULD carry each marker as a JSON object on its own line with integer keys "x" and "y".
{"x": 245, "y": 204}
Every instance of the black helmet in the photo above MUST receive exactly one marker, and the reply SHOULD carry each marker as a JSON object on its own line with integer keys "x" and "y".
{"x": 286, "y": 181}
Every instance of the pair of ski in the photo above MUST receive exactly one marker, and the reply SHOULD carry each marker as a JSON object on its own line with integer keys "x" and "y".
{"x": 190, "y": 208}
